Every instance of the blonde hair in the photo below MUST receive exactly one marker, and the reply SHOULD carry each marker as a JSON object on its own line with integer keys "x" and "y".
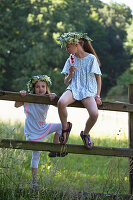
{"x": 47, "y": 89}
{"x": 87, "y": 46}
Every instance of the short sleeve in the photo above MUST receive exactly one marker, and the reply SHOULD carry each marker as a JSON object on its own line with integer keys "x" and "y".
{"x": 95, "y": 69}
{"x": 66, "y": 67}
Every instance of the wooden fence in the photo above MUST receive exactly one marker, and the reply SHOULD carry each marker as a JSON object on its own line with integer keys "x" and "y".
{"x": 76, "y": 149}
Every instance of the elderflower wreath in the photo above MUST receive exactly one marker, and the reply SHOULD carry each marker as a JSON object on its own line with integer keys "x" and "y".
{"x": 34, "y": 79}
{"x": 72, "y": 38}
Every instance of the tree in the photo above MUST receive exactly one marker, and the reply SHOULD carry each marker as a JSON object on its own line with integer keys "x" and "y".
{"x": 29, "y": 29}
{"x": 120, "y": 91}
{"x": 25, "y": 44}
{"x": 115, "y": 18}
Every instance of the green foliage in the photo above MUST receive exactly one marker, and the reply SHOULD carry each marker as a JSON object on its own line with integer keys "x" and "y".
{"x": 129, "y": 42}
{"x": 29, "y": 30}
{"x": 120, "y": 91}
{"x": 115, "y": 18}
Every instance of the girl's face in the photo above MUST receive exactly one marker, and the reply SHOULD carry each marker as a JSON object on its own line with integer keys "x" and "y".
{"x": 40, "y": 87}
{"x": 71, "y": 48}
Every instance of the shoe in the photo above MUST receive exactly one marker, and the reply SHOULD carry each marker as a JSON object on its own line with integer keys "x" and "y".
{"x": 65, "y": 133}
{"x": 34, "y": 185}
{"x": 57, "y": 154}
{"x": 86, "y": 140}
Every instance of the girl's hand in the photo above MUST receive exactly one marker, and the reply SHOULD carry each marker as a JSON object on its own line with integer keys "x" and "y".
{"x": 69, "y": 76}
{"x": 98, "y": 100}
{"x": 72, "y": 69}
{"x": 23, "y": 93}
{"x": 17, "y": 104}
{"x": 52, "y": 96}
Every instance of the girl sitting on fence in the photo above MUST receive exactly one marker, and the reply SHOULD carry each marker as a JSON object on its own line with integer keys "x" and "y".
{"x": 36, "y": 127}
{"x": 83, "y": 78}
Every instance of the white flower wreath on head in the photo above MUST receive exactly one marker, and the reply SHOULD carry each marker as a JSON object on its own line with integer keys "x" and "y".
{"x": 72, "y": 38}
{"x": 34, "y": 79}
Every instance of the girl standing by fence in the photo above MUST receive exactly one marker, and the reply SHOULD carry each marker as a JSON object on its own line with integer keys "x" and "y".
{"x": 36, "y": 127}
{"x": 83, "y": 78}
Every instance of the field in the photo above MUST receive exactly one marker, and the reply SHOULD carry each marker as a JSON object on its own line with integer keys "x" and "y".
{"x": 68, "y": 175}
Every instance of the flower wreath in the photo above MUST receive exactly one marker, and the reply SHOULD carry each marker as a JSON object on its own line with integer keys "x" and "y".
{"x": 34, "y": 79}
{"x": 72, "y": 38}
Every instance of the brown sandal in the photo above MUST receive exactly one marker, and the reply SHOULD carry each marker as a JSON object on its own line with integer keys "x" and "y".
{"x": 62, "y": 138}
{"x": 86, "y": 140}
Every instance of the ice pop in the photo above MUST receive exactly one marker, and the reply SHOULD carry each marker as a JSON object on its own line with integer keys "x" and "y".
{"x": 72, "y": 60}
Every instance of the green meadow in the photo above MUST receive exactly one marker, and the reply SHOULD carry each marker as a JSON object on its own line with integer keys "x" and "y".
{"x": 67, "y": 176}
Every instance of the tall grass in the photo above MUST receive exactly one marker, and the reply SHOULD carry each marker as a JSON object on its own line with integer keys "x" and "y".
{"x": 66, "y": 176}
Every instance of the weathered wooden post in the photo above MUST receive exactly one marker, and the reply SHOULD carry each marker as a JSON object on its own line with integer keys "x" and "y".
{"x": 130, "y": 125}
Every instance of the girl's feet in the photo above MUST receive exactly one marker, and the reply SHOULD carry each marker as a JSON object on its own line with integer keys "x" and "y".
{"x": 65, "y": 133}
{"x": 34, "y": 185}
{"x": 86, "y": 140}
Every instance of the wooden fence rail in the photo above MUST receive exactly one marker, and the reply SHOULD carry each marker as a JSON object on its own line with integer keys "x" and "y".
{"x": 69, "y": 148}
{"x": 42, "y": 99}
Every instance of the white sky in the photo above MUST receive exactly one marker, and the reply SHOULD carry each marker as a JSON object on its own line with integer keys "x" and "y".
{"x": 127, "y": 2}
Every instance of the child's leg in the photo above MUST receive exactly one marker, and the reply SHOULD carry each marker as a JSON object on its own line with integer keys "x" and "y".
{"x": 57, "y": 128}
{"x": 91, "y": 106}
{"x": 56, "y": 141}
{"x": 56, "y": 138}
{"x": 63, "y": 102}
{"x": 54, "y": 128}
{"x": 34, "y": 172}
{"x": 34, "y": 164}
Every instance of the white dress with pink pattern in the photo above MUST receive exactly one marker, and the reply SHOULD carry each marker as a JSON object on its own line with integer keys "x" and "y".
{"x": 36, "y": 127}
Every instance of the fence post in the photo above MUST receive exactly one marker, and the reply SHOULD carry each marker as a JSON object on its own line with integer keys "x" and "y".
{"x": 130, "y": 126}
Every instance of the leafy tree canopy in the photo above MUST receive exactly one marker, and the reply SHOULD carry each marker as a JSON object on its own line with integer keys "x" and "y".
{"x": 28, "y": 33}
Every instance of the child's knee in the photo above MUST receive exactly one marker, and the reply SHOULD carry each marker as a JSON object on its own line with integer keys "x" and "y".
{"x": 94, "y": 116}
{"x": 61, "y": 103}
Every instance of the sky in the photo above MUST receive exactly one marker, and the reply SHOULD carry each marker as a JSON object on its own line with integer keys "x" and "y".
{"x": 127, "y": 2}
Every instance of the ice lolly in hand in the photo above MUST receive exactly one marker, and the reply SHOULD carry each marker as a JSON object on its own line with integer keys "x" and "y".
{"x": 72, "y": 59}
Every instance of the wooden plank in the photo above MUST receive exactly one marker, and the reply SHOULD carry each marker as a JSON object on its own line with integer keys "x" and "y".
{"x": 42, "y": 99}
{"x": 70, "y": 148}
{"x": 130, "y": 125}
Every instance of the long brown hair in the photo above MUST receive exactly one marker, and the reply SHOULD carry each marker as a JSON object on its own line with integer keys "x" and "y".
{"x": 87, "y": 46}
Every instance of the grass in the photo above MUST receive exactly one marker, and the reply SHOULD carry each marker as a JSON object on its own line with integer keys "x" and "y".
{"x": 68, "y": 175}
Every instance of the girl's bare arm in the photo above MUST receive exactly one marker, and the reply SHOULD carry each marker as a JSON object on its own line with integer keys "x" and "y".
{"x": 69, "y": 76}
{"x": 17, "y": 104}
{"x": 99, "y": 85}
